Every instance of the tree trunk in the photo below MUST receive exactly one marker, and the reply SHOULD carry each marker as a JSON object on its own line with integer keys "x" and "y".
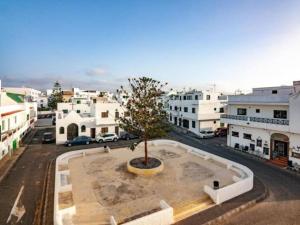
{"x": 146, "y": 151}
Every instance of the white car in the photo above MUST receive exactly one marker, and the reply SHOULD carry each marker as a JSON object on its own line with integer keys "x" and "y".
{"x": 206, "y": 134}
{"x": 106, "y": 137}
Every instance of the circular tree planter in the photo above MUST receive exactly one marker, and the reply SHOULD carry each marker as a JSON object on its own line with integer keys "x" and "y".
{"x": 138, "y": 167}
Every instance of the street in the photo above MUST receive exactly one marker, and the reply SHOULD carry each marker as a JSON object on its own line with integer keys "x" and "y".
{"x": 281, "y": 207}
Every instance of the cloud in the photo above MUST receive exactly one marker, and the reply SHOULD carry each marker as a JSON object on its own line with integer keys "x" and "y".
{"x": 99, "y": 71}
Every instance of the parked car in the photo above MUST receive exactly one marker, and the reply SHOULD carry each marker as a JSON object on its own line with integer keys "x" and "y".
{"x": 221, "y": 132}
{"x": 106, "y": 137}
{"x": 48, "y": 137}
{"x": 80, "y": 140}
{"x": 206, "y": 134}
{"x": 128, "y": 136}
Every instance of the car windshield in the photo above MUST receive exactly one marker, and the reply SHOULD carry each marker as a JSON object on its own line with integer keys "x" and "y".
{"x": 209, "y": 132}
{"x": 47, "y": 136}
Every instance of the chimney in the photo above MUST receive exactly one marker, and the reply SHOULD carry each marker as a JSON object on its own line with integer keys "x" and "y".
{"x": 296, "y": 85}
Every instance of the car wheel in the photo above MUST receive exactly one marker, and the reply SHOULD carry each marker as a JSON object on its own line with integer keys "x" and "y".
{"x": 87, "y": 142}
{"x": 69, "y": 144}
{"x": 100, "y": 141}
{"x": 127, "y": 138}
{"x": 115, "y": 139}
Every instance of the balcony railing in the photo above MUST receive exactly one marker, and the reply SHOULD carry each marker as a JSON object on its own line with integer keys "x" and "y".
{"x": 234, "y": 117}
{"x": 256, "y": 119}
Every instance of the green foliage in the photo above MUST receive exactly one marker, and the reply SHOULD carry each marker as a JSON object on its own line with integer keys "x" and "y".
{"x": 145, "y": 116}
{"x": 56, "y": 96}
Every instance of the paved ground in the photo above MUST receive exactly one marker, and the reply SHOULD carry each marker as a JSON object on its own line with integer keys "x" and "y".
{"x": 102, "y": 186}
{"x": 281, "y": 207}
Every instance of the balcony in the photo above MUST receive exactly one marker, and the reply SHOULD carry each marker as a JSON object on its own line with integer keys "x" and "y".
{"x": 256, "y": 122}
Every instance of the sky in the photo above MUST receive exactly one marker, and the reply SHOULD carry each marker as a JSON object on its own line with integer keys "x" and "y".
{"x": 189, "y": 44}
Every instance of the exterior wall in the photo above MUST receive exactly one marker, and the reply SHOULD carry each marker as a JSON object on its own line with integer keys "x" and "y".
{"x": 24, "y": 91}
{"x": 286, "y": 98}
{"x": 207, "y": 111}
{"x": 15, "y": 121}
{"x": 42, "y": 102}
{"x": 90, "y": 116}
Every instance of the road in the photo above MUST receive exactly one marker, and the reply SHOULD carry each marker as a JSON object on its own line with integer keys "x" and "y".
{"x": 281, "y": 207}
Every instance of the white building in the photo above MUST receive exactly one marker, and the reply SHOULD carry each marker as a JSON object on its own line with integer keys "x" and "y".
{"x": 42, "y": 101}
{"x": 196, "y": 110}
{"x": 266, "y": 122}
{"x": 17, "y": 117}
{"x": 30, "y": 93}
{"x": 87, "y": 117}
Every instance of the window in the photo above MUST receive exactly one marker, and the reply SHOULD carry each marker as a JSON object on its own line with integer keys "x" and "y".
{"x": 104, "y": 130}
{"x": 3, "y": 125}
{"x": 235, "y": 134}
{"x": 193, "y": 124}
{"x": 296, "y": 155}
{"x": 193, "y": 110}
{"x": 175, "y": 108}
{"x": 78, "y": 101}
{"x": 196, "y": 97}
{"x": 241, "y": 111}
{"x": 215, "y": 122}
{"x": 184, "y": 97}
{"x": 274, "y": 92}
{"x": 257, "y": 110}
{"x": 170, "y": 117}
{"x": 207, "y": 97}
{"x": 179, "y": 108}
{"x": 215, "y": 109}
{"x": 170, "y": 107}
{"x": 252, "y": 147}
{"x": 94, "y": 100}
{"x": 266, "y": 151}
{"x": 104, "y": 114}
{"x": 179, "y": 97}
{"x": 61, "y": 130}
{"x": 65, "y": 111}
{"x": 222, "y": 110}
{"x": 83, "y": 128}
{"x": 185, "y": 109}
{"x": 280, "y": 114}
{"x": 247, "y": 136}
{"x": 189, "y": 97}
{"x": 27, "y": 116}
{"x": 78, "y": 111}
{"x": 185, "y": 123}
{"x": 117, "y": 115}
{"x": 258, "y": 142}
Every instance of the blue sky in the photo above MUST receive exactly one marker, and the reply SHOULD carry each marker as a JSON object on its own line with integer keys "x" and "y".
{"x": 99, "y": 44}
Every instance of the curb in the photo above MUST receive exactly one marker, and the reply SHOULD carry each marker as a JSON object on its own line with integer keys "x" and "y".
{"x": 239, "y": 209}
{"x": 11, "y": 165}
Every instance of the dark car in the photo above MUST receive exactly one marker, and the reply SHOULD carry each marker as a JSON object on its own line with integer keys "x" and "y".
{"x": 128, "y": 136}
{"x": 80, "y": 140}
{"x": 48, "y": 137}
{"x": 221, "y": 132}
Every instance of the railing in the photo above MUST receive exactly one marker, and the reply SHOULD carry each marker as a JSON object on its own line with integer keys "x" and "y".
{"x": 256, "y": 119}
{"x": 234, "y": 117}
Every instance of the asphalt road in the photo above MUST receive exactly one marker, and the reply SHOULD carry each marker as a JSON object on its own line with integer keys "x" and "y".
{"x": 281, "y": 207}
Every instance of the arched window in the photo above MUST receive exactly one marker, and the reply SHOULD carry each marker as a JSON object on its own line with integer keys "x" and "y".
{"x": 83, "y": 128}
{"x": 61, "y": 130}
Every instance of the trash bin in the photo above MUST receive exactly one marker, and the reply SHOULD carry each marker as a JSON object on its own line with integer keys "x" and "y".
{"x": 216, "y": 184}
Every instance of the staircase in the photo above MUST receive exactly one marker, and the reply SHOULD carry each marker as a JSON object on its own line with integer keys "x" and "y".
{"x": 281, "y": 161}
{"x": 187, "y": 209}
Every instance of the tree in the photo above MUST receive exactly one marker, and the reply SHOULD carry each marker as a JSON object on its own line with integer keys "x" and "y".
{"x": 56, "y": 96}
{"x": 144, "y": 114}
